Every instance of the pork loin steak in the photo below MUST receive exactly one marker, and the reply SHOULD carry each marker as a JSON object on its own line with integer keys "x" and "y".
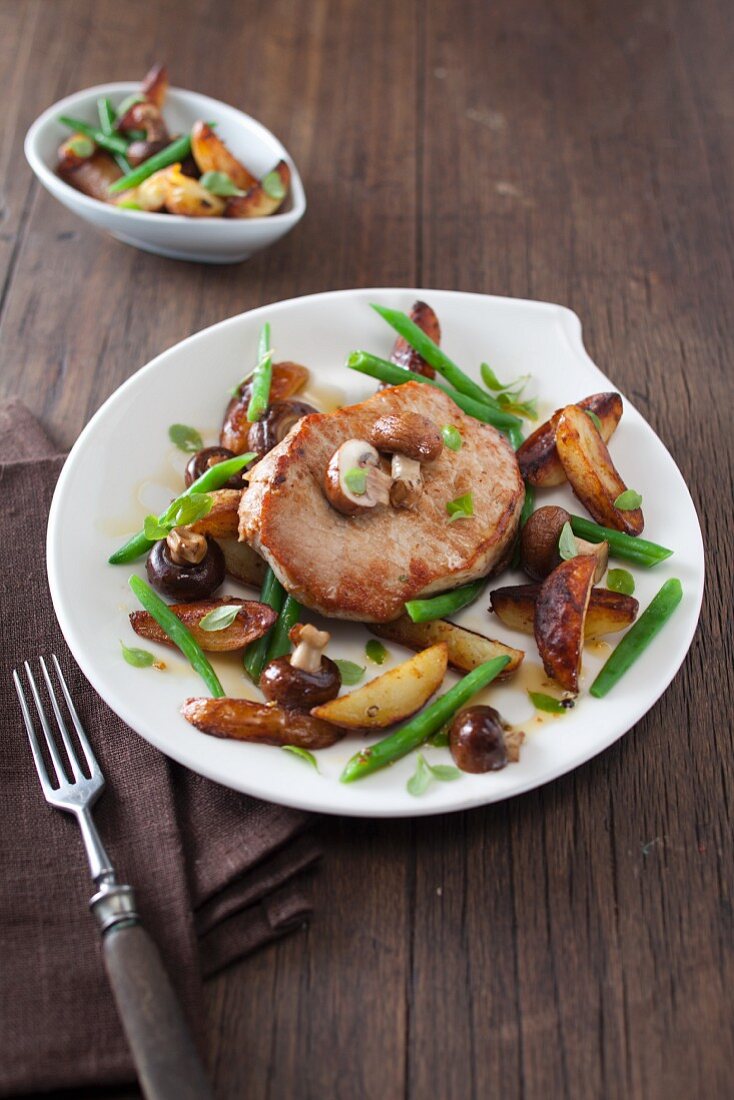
{"x": 366, "y": 566}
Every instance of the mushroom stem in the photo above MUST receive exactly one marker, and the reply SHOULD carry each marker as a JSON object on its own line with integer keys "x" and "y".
{"x": 310, "y": 646}
{"x": 185, "y": 547}
{"x": 407, "y": 483}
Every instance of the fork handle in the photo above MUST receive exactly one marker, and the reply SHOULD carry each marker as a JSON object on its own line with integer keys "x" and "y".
{"x": 162, "y": 1047}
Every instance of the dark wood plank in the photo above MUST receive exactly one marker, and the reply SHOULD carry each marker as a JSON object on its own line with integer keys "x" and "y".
{"x": 576, "y": 941}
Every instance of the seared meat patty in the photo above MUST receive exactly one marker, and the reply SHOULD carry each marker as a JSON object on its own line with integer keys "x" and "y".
{"x": 365, "y": 567}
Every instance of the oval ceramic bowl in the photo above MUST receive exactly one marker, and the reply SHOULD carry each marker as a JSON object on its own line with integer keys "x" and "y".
{"x": 100, "y": 501}
{"x": 208, "y": 240}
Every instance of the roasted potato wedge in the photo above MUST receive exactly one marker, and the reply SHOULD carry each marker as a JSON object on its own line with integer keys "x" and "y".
{"x": 92, "y": 175}
{"x": 591, "y": 472}
{"x": 151, "y": 194}
{"x": 223, "y": 520}
{"x": 253, "y": 620}
{"x": 242, "y": 562}
{"x": 538, "y": 458}
{"x": 264, "y": 198}
{"x": 262, "y": 723}
{"x": 560, "y": 618}
{"x": 466, "y": 648}
{"x": 155, "y": 85}
{"x": 288, "y": 379}
{"x": 391, "y": 697}
{"x": 187, "y": 197}
{"x": 212, "y": 155}
{"x": 607, "y": 612}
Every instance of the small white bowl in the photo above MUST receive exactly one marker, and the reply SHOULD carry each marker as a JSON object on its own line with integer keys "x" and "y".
{"x": 207, "y": 240}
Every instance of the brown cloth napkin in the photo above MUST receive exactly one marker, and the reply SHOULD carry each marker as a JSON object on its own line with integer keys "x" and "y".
{"x": 213, "y": 870}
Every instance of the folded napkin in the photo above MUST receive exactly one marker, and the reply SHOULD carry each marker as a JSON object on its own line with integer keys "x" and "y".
{"x": 213, "y": 870}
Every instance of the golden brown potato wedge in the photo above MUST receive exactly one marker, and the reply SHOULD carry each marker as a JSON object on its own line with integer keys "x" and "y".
{"x": 262, "y": 723}
{"x": 92, "y": 175}
{"x": 155, "y": 85}
{"x": 150, "y": 195}
{"x": 391, "y": 697}
{"x": 288, "y": 378}
{"x": 212, "y": 155}
{"x": 242, "y": 562}
{"x": 223, "y": 520}
{"x": 253, "y": 620}
{"x": 607, "y": 612}
{"x": 187, "y": 197}
{"x": 560, "y": 617}
{"x": 591, "y": 472}
{"x": 264, "y": 198}
{"x": 466, "y": 648}
{"x": 538, "y": 458}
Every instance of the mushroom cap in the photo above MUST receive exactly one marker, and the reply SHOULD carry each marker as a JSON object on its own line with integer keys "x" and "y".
{"x": 296, "y": 688}
{"x": 409, "y": 434}
{"x": 539, "y": 553}
{"x": 355, "y": 454}
{"x": 477, "y": 740}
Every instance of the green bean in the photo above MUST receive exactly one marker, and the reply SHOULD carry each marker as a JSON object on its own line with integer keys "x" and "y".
{"x": 273, "y": 594}
{"x": 515, "y": 436}
{"x": 111, "y": 142}
{"x": 280, "y": 643}
{"x": 448, "y": 603}
{"x": 525, "y": 513}
{"x": 620, "y": 545}
{"x": 638, "y": 637}
{"x": 418, "y": 729}
{"x": 178, "y": 634}
{"x": 261, "y": 377}
{"x": 107, "y": 121}
{"x": 178, "y": 150}
{"x": 375, "y": 367}
{"x": 433, "y": 354}
{"x": 211, "y": 480}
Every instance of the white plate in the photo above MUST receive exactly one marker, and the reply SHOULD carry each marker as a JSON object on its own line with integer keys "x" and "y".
{"x": 208, "y": 240}
{"x": 123, "y": 465}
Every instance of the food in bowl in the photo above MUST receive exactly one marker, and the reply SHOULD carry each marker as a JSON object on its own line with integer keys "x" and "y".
{"x": 129, "y": 159}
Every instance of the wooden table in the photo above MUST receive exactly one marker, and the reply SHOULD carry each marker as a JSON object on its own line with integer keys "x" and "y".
{"x": 576, "y": 941}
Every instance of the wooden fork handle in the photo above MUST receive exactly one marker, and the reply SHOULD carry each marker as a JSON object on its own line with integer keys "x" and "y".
{"x": 164, "y": 1052}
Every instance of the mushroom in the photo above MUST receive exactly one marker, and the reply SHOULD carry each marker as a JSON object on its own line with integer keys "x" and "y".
{"x": 275, "y": 425}
{"x": 411, "y": 439}
{"x": 539, "y": 553}
{"x": 305, "y": 679}
{"x": 145, "y": 116}
{"x": 185, "y": 566}
{"x": 477, "y": 740}
{"x": 203, "y": 460}
{"x": 354, "y": 480}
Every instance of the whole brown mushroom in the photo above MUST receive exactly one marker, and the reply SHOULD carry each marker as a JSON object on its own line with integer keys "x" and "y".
{"x": 275, "y": 425}
{"x": 203, "y": 460}
{"x": 539, "y": 551}
{"x": 305, "y": 679}
{"x": 477, "y": 740}
{"x": 185, "y": 566}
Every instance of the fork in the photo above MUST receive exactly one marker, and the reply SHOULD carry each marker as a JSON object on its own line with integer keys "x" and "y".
{"x": 163, "y": 1050}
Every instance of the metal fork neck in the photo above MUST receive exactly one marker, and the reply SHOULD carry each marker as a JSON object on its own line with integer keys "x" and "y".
{"x": 100, "y": 864}
{"x": 114, "y": 904}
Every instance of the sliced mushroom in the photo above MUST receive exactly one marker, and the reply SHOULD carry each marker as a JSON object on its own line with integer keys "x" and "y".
{"x": 408, "y": 434}
{"x": 539, "y": 553}
{"x": 354, "y": 480}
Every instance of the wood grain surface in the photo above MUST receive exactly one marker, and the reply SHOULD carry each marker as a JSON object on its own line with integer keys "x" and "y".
{"x": 576, "y": 941}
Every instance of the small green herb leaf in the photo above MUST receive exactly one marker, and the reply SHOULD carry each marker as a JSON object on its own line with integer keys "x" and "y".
{"x": 81, "y": 146}
{"x": 154, "y": 529}
{"x": 189, "y": 509}
{"x": 351, "y": 673}
{"x": 620, "y": 580}
{"x": 420, "y": 781}
{"x": 138, "y": 658}
{"x": 376, "y": 652}
{"x": 219, "y": 183}
{"x": 528, "y": 409}
{"x": 272, "y": 185}
{"x": 185, "y": 438}
{"x": 452, "y": 437}
{"x": 128, "y": 204}
{"x": 219, "y": 619}
{"x": 548, "y": 703}
{"x": 594, "y": 419}
{"x": 445, "y": 773}
{"x": 356, "y": 480}
{"x": 628, "y": 501}
{"x": 461, "y": 508}
{"x": 302, "y": 754}
{"x": 567, "y": 547}
{"x": 490, "y": 379}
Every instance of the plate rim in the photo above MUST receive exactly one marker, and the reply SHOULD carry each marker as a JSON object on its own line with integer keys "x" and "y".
{"x": 572, "y": 329}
